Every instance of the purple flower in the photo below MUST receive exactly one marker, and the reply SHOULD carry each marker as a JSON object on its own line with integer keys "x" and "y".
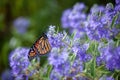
{"x": 63, "y": 69}
{"x": 96, "y": 9}
{"x": 81, "y": 53}
{"x": 111, "y": 57}
{"x": 77, "y": 67}
{"x": 79, "y": 6}
{"x": 109, "y": 78}
{"x": 117, "y": 2}
{"x": 65, "y": 19}
{"x": 106, "y": 78}
{"x": 98, "y": 60}
{"x": 56, "y": 58}
{"x": 21, "y": 24}
{"x": 98, "y": 27}
{"x": 54, "y": 75}
{"x": 6, "y": 75}
{"x": 110, "y": 12}
{"x": 51, "y": 31}
{"x": 74, "y": 18}
{"x": 56, "y": 40}
{"x": 117, "y": 8}
{"x": 99, "y": 24}
{"x": 19, "y": 62}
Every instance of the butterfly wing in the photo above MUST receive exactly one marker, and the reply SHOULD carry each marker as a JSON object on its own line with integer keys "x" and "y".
{"x": 43, "y": 45}
{"x": 32, "y": 53}
{"x": 40, "y": 47}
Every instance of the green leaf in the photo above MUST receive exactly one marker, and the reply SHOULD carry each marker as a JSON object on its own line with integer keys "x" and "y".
{"x": 93, "y": 66}
{"x": 100, "y": 67}
{"x": 113, "y": 21}
{"x": 3, "y": 54}
{"x": 93, "y": 48}
{"x": 72, "y": 58}
{"x": 73, "y": 34}
{"x": 117, "y": 36}
{"x": 49, "y": 71}
{"x": 64, "y": 36}
{"x": 85, "y": 74}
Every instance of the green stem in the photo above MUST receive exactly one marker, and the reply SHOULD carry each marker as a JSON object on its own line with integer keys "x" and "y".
{"x": 117, "y": 44}
{"x": 94, "y": 60}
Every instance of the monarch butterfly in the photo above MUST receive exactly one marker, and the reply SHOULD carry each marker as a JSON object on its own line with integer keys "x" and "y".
{"x": 40, "y": 47}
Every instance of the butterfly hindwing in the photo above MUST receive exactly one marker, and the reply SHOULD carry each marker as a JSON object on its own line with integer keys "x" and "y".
{"x": 32, "y": 53}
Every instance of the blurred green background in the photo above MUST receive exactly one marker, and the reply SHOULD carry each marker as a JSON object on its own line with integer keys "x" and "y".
{"x": 41, "y": 14}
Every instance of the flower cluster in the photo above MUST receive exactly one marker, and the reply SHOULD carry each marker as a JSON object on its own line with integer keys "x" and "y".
{"x": 75, "y": 19}
{"x": 19, "y": 63}
{"x": 100, "y": 23}
{"x": 67, "y": 58}
{"x": 110, "y": 56}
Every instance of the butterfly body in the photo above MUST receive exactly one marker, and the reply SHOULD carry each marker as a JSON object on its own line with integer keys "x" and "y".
{"x": 40, "y": 47}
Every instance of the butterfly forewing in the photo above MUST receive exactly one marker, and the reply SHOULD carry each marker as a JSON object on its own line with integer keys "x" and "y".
{"x": 41, "y": 46}
{"x": 47, "y": 44}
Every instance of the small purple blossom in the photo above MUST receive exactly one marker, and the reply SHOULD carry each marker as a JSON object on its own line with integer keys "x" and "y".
{"x": 21, "y": 24}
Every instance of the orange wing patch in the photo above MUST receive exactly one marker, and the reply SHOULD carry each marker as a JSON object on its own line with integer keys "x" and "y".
{"x": 41, "y": 46}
